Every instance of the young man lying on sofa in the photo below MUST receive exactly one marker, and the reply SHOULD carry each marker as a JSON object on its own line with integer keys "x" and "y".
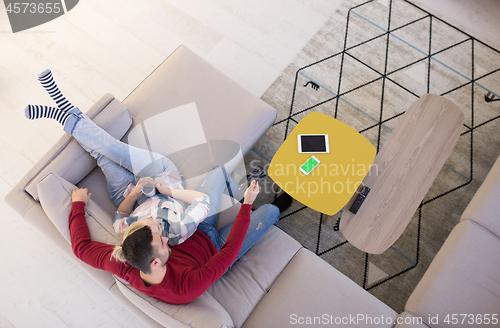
{"x": 199, "y": 253}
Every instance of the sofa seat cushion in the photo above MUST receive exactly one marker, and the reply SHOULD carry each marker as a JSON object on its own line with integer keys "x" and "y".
{"x": 68, "y": 159}
{"x": 96, "y": 183}
{"x": 251, "y": 277}
{"x": 311, "y": 290}
{"x": 463, "y": 277}
{"x": 484, "y": 208}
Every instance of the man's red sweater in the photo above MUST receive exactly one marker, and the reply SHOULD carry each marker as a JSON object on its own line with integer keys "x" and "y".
{"x": 192, "y": 268}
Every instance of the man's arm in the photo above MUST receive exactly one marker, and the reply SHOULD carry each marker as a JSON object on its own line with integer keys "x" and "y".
{"x": 95, "y": 254}
{"x": 200, "y": 280}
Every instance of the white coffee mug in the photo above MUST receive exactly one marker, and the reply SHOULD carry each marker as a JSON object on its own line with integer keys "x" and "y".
{"x": 149, "y": 190}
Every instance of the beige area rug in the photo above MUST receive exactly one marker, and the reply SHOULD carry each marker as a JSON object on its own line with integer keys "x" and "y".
{"x": 368, "y": 86}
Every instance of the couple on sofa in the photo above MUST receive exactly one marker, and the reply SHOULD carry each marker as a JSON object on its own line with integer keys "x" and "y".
{"x": 168, "y": 252}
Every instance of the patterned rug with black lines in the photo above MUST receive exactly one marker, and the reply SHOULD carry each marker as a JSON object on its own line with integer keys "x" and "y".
{"x": 366, "y": 66}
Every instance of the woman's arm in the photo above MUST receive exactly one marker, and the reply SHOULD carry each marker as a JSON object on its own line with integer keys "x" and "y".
{"x": 185, "y": 195}
{"x": 127, "y": 206}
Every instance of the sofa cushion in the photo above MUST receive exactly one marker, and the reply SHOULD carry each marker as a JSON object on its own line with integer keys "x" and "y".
{"x": 251, "y": 277}
{"x": 55, "y": 198}
{"x": 202, "y": 312}
{"x": 311, "y": 290}
{"x": 463, "y": 277}
{"x": 73, "y": 163}
{"x": 484, "y": 208}
{"x": 96, "y": 183}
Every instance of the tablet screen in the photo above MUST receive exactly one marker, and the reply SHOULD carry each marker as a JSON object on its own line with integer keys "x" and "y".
{"x": 313, "y": 143}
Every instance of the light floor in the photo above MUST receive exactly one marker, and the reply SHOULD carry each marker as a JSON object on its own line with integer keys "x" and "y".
{"x": 111, "y": 46}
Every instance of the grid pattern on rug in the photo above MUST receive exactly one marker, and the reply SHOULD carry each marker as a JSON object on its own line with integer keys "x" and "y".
{"x": 392, "y": 53}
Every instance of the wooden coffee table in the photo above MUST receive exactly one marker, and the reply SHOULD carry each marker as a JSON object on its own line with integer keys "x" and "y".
{"x": 333, "y": 182}
{"x": 407, "y": 165}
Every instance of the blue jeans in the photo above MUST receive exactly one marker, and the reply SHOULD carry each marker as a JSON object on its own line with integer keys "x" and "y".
{"x": 261, "y": 219}
{"x": 122, "y": 164}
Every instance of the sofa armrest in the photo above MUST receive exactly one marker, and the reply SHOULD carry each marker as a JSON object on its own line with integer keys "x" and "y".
{"x": 484, "y": 207}
{"x": 462, "y": 278}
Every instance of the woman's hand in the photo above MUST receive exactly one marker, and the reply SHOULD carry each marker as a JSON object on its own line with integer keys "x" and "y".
{"x": 80, "y": 195}
{"x": 142, "y": 181}
{"x": 251, "y": 193}
{"x": 161, "y": 185}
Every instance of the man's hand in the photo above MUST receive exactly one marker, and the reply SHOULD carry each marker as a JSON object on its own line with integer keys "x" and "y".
{"x": 161, "y": 185}
{"x": 80, "y": 195}
{"x": 251, "y": 193}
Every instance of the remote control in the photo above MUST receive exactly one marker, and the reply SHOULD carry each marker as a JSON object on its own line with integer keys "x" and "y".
{"x": 359, "y": 200}
{"x": 364, "y": 191}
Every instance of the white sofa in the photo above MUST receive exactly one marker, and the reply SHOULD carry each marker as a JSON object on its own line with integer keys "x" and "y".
{"x": 461, "y": 287}
{"x": 199, "y": 118}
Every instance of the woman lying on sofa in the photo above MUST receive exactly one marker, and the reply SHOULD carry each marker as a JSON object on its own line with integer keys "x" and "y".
{"x": 175, "y": 274}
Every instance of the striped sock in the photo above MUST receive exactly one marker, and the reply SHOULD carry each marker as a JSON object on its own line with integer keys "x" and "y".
{"x": 34, "y": 112}
{"x": 50, "y": 86}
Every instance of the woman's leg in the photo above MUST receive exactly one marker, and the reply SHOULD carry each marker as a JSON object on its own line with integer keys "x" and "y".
{"x": 34, "y": 112}
{"x": 141, "y": 162}
{"x": 63, "y": 105}
{"x": 118, "y": 161}
{"x": 117, "y": 178}
{"x": 96, "y": 141}
{"x": 213, "y": 184}
{"x": 234, "y": 190}
{"x": 47, "y": 81}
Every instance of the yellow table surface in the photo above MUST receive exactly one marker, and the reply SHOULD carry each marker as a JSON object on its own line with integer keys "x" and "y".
{"x": 329, "y": 187}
